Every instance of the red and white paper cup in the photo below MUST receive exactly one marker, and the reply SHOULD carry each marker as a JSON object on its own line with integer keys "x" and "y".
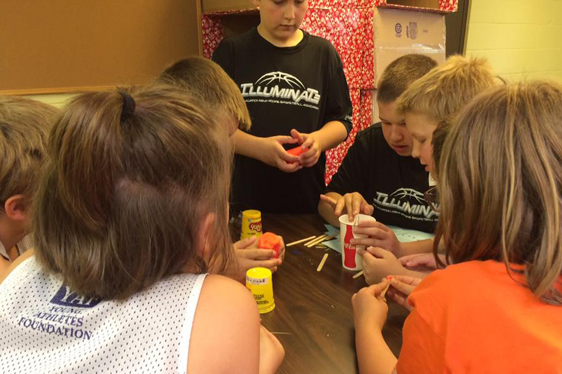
{"x": 351, "y": 260}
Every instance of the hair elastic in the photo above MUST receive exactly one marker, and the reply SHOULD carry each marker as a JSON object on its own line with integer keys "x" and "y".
{"x": 129, "y": 106}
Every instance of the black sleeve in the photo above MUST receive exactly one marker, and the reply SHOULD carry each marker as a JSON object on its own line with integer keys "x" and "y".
{"x": 338, "y": 105}
{"x": 353, "y": 172}
{"x": 224, "y": 56}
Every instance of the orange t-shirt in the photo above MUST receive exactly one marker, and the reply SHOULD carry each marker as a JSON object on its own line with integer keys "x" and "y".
{"x": 474, "y": 318}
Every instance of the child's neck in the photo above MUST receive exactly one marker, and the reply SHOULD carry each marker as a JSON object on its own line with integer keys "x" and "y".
{"x": 9, "y": 240}
{"x": 292, "y": 41}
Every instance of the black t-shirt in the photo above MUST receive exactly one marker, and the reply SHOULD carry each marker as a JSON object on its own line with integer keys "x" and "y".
{"x": 393, "y": 184}
{"x": 301, "y": 87}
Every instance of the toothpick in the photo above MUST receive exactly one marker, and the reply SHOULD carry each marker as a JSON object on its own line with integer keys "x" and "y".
{"x": 383, "y": 293}
{"x": 322, "y": 262}
{"x": 301, "y": 241}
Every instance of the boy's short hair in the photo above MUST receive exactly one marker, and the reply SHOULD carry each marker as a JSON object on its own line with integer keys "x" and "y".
{"x": 207, "y": 80}
{"x": 442, "y": 92}
{"x": 24, "y": 129}
{"x": 401, "y": 73}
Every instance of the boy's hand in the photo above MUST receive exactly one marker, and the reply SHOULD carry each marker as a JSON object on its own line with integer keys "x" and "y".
{"x": 273, "y": 154}
{"x": 271, "y": 352}
{"x": 378, "y": 263}
{"x": 352, "y": 203}
{"x": 401, "y": 286}
{"x": 249, "y": 256}
{"x": 368, "y": 307}
{"x": 310, "y": 157}
{"x": 424, "y": 262}
{"x": 378, "y": 236}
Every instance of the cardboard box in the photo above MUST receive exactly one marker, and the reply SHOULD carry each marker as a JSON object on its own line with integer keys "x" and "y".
{"x": 446, "y": 6}
{"x": 220, "y": 6}
{"x": 440, "y": 6}
{"x": 400, "y": 32}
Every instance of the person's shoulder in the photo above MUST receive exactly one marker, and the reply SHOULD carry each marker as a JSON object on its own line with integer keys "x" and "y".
{"x": 324, "y": 45}
{"x": 243, "y": 39}
{"x": 371, "y": 137}
{"x": 458, "y": 283}
{"x": 226, "y": 321}
{"x": 233, "y": 295}
{"x": 372, "y": 132}
{"x": 320, "y": 42}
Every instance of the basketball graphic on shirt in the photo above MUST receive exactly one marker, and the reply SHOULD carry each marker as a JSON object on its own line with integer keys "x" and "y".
{"x": 280, "y": 88}
{"x": 279, "y": 76}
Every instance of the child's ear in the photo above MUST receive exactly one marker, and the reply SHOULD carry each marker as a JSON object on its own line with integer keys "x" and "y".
{"x": 16, "y": 208}
{"x": 205, "y": 232}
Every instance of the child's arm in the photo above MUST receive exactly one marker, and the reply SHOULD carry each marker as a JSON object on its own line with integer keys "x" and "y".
{"x": 225, "y": 336}
{"x": 369, "y": 314}
{"x": 382, "y": 236}
{"x": 270, "y": 150}
{"x": 378, "y": 263}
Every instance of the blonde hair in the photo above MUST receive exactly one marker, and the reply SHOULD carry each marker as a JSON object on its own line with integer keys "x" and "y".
{"x": 207, "y": 80}
{"x": 122, "y": 201}
{"x": 401, "y": 73}
{"x": 500, "y": 183}
{"x": 24, "y": 127}
{"x": 441, "y": 93}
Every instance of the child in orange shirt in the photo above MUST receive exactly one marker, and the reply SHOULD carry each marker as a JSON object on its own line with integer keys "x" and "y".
{"x": 498, "y": 307}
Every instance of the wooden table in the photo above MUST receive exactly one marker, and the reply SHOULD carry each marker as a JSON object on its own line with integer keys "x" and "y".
{"x": 313, "y": 318}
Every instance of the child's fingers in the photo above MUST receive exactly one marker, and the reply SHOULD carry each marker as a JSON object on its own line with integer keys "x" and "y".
{"x": 399, "y": 298}
{"x": 339, "y": 206}
{"x": 245, "y": 243}
{"x": 374, "y": 224}
{"x": 282, "y": 139}
{"x": 412, "y": 281}
{"x": 329, "y": 200}
{"x": 258, "y": 254}
{"x": 309, "y": 153}
{"x": 287, "y": 157}
{"x": 269, "y": 264}
{"x": 289, "y": 168}
{"x": 378, "y": 252}
{"x": 404, "y": 288}
{"x": 367, "y": 209}
{"x": 376, "y": 289}
{"x": 356, "y": 202}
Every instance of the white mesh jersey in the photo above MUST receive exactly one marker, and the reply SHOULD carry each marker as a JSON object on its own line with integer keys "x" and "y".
{"x": 45, "y": 328}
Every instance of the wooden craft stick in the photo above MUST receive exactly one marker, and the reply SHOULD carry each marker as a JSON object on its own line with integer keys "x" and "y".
{"x": 301, "y": 241}
{"x": 358, "y": 275}
{"x": 320, "y": 240}
{"x": 322, "y": 262}
{"x": 310, "y": 243}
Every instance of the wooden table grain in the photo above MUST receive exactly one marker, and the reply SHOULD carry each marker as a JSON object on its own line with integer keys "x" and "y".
{"x": 313, "y": 318}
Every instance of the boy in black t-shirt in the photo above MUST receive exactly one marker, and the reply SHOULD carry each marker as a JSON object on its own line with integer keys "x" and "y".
{"x": 297, "y": 95}
{"x": 378, "y": 175}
